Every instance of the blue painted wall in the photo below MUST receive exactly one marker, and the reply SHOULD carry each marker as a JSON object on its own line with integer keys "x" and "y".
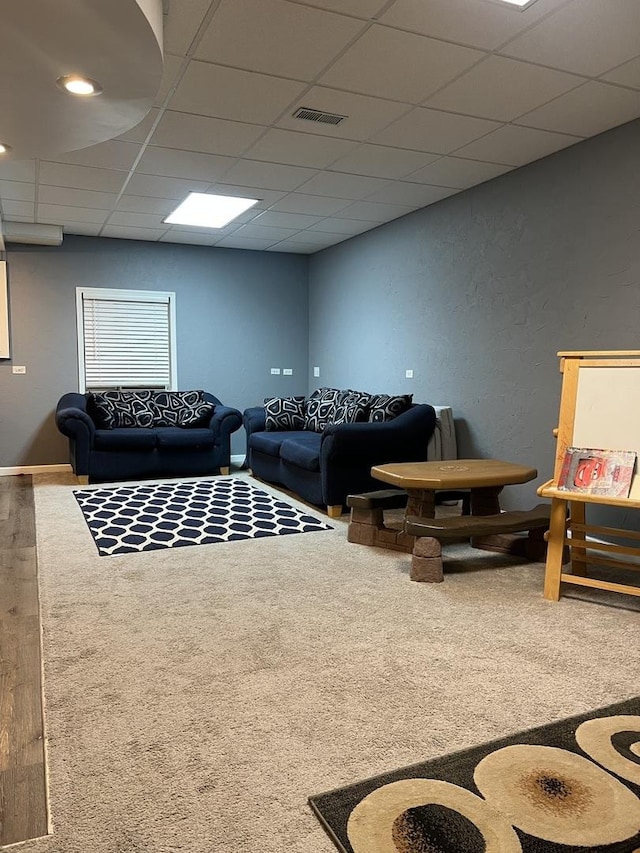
{"x": 477, "y": 293}
{"x": 239, "y": 313}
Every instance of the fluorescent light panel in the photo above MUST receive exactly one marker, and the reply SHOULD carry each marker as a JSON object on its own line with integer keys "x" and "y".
{"x": 209, "y": 211}
{"x": 521, "y": 3}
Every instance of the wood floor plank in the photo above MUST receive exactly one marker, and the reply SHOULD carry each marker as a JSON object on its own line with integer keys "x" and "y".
{"x": 23, "y": 797}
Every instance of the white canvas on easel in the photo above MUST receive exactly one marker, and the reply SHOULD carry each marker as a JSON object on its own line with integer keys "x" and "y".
{"x": 4, "y": 312}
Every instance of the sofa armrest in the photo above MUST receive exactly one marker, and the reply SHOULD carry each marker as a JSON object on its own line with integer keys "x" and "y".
{"x": 73, "y": 421}
{"x": 254, "y": 420}
{"x": 403, "y": 439}
{"x": 225, "y": 420}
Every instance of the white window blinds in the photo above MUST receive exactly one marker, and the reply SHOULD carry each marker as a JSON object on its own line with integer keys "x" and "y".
{"x": 126, "y": 339}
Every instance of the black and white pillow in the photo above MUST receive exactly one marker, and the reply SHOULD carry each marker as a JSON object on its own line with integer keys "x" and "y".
{"x": 349, "y": 413}
{"x": 320, "y": 408}
{"x": 114, "y": 409}
{"x": 284, "y": 413}
{"x": 383, "y": 407}
{"x": 180, "y": 409}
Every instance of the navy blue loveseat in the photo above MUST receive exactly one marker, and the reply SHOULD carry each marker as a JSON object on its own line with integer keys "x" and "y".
{"x": 152, "y": 434}
{"x": 324, "y": 461}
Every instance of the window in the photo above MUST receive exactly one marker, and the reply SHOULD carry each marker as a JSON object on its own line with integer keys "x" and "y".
{"x": 126, "y": 339}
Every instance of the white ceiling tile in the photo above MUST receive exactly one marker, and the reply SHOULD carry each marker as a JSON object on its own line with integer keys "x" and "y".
{"x": 585, "y": 37}
{"x": 130, "y": 233}
{"x": 256, "y": 34}
{"x": 515, "y": 146}
{"x": 81, "y": 177}
{"x": 16, "y": 191}
{"x": 310, "y": 204}
{"x": 358, "y": 8}
{"x": 373, "y": 211}
{"x": 113, "y": 154}
{"x": 291, "y": 248}
{"x": 365, "y": 115}
{"x": 299, "y": 149}
{"x": 170, "y": 70}
{"x": 164, "y": 187}
{"x": 315, "y": 239}
{"x": 264, "y": 233}
{"x": 183, "y": 164}
{"x": 137, "y": 220}
{"x": 146, "y": 204}
{"x": 182, "y": 23}
{"x": 455, "y": 172}
{"x": 337, "y": 184}
{"x": 204, "y": 134}
{"x": 214, "y": 90}
{"x": 411, "y": 195}
{"x": 271, "y": 176}
{"x": 140, "y": 132}
{"x": 382, "y": 162}
{"x": 76, "y": 198}
{"x": 276, "y": 219}
{"x": 434, "y": 131}
{"x": 82, "y": 229}
{"x": 420, "y": 66}
{"x": 191, "y": 238}
{"x": 342, "y": 226}
{"x": 627, "y": 75}
{"x": 472, "y": 22}
{"x": 18, "y": 170}
{"x": 593, "y": 108}
{"x": 11, "y": 209}
{"x": 254, "y": 243}
{"x": 64, "y": 213}
{"x": 502, "y": 89}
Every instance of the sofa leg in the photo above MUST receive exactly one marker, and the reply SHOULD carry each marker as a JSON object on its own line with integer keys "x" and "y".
{"x": 224, "y": 469}
{"x": 334, "y": 510}
{"x": 83, "y": 479}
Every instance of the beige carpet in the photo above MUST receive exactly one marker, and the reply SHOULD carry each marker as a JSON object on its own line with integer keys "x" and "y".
{"x": 195, "y": 697}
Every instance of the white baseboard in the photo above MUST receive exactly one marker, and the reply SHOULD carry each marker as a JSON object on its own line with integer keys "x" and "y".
{"x": 34, "y": 469}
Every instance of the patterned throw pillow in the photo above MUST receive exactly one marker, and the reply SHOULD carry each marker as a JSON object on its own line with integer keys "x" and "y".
{"x": 284, "y": 413}
{"x": 353, "y": 407}
{"x": 114, "y": 409}
{"x": 320, "y": 408}
{"x": 180, "y": 408}
{"x": 386, "y": 408}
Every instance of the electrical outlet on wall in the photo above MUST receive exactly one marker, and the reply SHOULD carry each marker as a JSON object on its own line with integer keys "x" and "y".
{"x": 408, "y": 374}
{"x": 18, "y": 368}
{"x": 287, "y": 371}
{"x": 275, "y": 371}
{"x": 316, "y": 372}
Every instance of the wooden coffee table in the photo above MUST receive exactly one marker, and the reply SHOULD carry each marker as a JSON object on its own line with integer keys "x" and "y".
{"x": 484, "y": 478}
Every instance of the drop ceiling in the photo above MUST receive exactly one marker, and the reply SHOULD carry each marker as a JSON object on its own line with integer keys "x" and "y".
{"x": 439, "y": 95}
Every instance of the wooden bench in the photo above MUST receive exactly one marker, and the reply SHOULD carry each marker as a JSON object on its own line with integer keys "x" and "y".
{"x": 366, "y": 523}
{"x": 489, "y": 532}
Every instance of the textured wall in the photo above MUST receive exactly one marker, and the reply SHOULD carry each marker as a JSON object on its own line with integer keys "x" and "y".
{"x": 476, "y": 294}
{"x": 238, "y": 314}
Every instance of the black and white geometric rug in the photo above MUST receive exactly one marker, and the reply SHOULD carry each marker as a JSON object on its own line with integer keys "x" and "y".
{"x": 126, "y": 519}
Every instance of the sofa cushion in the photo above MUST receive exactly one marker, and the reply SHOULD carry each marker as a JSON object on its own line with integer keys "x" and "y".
{"x": 270, "y": 442}
{"x": 113, "y": 409}
{"x": 188, "y": 438}
{"x": 320, "y": 408}
{"x": 385, "y": 408}
{"x": 303, "y": 450}
{"x": 284, "y": 413}
{"x": 125, "y": 438}
{"x": 180, "y": 409}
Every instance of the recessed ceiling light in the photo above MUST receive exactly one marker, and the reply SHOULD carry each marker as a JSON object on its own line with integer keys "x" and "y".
{"x": 77, "y": 85}
{"x": 521, "y": 4}
{"x": 209, "y": 211}
{"x": 4, "y": 148}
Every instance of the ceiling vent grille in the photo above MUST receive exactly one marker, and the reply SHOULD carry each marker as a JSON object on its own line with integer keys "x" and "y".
{"x": 307, "y": 114}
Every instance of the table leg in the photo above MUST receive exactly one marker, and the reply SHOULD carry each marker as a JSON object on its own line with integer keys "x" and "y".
{"x": 485, "y": 501}
{"x": 426, "y": 562}
{"x": 577, "y": 515}
{"x": 555, "y": 547}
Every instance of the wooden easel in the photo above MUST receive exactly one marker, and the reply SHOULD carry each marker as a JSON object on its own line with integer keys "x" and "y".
{"x": 599, "y": 408}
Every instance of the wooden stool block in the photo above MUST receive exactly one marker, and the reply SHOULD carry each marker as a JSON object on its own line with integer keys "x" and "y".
{"x": 425, "y": 546}
{"x": 426, "y": 569}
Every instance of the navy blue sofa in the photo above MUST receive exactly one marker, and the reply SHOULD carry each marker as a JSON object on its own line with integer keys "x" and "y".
{"x": 135, "y": 452}
{"x": 324, "y": 467}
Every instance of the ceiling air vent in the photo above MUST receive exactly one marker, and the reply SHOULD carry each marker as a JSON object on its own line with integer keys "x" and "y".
{"x": 315, "y": 115}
